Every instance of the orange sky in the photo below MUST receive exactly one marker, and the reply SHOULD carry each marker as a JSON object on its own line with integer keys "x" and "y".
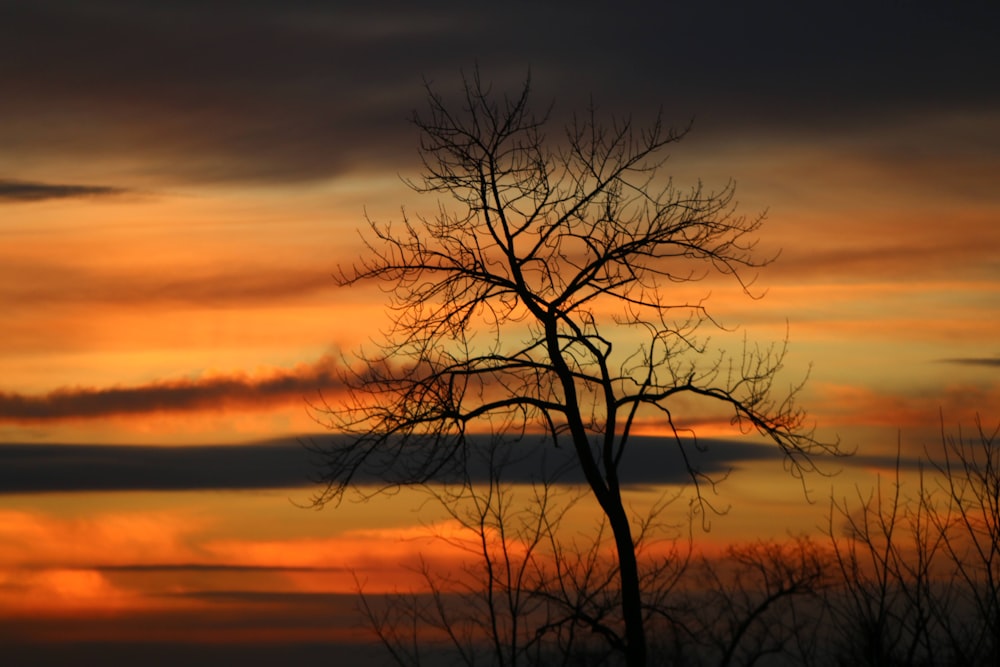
{"x": 170, "y": 217}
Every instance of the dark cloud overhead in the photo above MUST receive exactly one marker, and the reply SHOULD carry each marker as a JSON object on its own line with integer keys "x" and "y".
{"x": 301, "y": 90}
{"x": 26, "y": 191}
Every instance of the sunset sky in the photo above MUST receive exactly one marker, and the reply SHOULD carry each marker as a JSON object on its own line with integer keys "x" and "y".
{"x": 179, "y": 180}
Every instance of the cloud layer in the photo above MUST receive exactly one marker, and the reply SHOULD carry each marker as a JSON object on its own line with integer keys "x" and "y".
{"x": 987, "y": 362}
{"x": 43, "y": 468}
{"x": 24, "y": 191}
{"x": 304, "y": 380}
{"x": 299, "y": 90}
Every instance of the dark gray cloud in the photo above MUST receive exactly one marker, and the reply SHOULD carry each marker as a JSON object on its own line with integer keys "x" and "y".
{"x": 38, "y": 468}
{"x": 299, "y": 90}
{"x": 988, "y": 362}
{"x": 24, "y": 191}
{"x": 280, "y": 464}
{"x": 287, "y": 385}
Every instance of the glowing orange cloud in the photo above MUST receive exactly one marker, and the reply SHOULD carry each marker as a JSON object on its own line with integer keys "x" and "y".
{"x": 856, "y": 405}
{"x": 119, "y": 559}
{"x": 385, "y": 560}
{"x": 115, "y": 538}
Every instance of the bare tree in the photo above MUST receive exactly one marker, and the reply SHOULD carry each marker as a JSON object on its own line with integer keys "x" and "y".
{"x": 493, "y": 610}
{"x": 970, "y": 533}
{"x": 881, "y": 604}
{"x": 917, "y": 574}
{"x": 545, "y": 298}
{"x": 759, "y": 601}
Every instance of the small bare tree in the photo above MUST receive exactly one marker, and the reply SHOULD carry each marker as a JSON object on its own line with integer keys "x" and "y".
{"x": 494, "y": 609}
{"x": 545, "y": 299}
{"x": 918, "y": 574}
{"x": 883, "y": 555}
{"x": 535, "y": 588}
{"x": 759, "y": 601}
{"x": 970, "y": 532}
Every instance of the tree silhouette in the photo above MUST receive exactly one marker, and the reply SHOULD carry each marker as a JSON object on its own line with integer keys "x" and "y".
{"x": 545, "y": 298}
{"x": 918, "y": 572}
{"x": 530, "y": 590}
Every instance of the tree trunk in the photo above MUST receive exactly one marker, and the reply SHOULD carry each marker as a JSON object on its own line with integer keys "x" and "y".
{"x": 608, "y": 494}
{"x": 628, "y": 573}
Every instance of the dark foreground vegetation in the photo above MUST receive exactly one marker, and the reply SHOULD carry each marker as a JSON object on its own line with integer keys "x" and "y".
{"x": 907, "y": 574}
